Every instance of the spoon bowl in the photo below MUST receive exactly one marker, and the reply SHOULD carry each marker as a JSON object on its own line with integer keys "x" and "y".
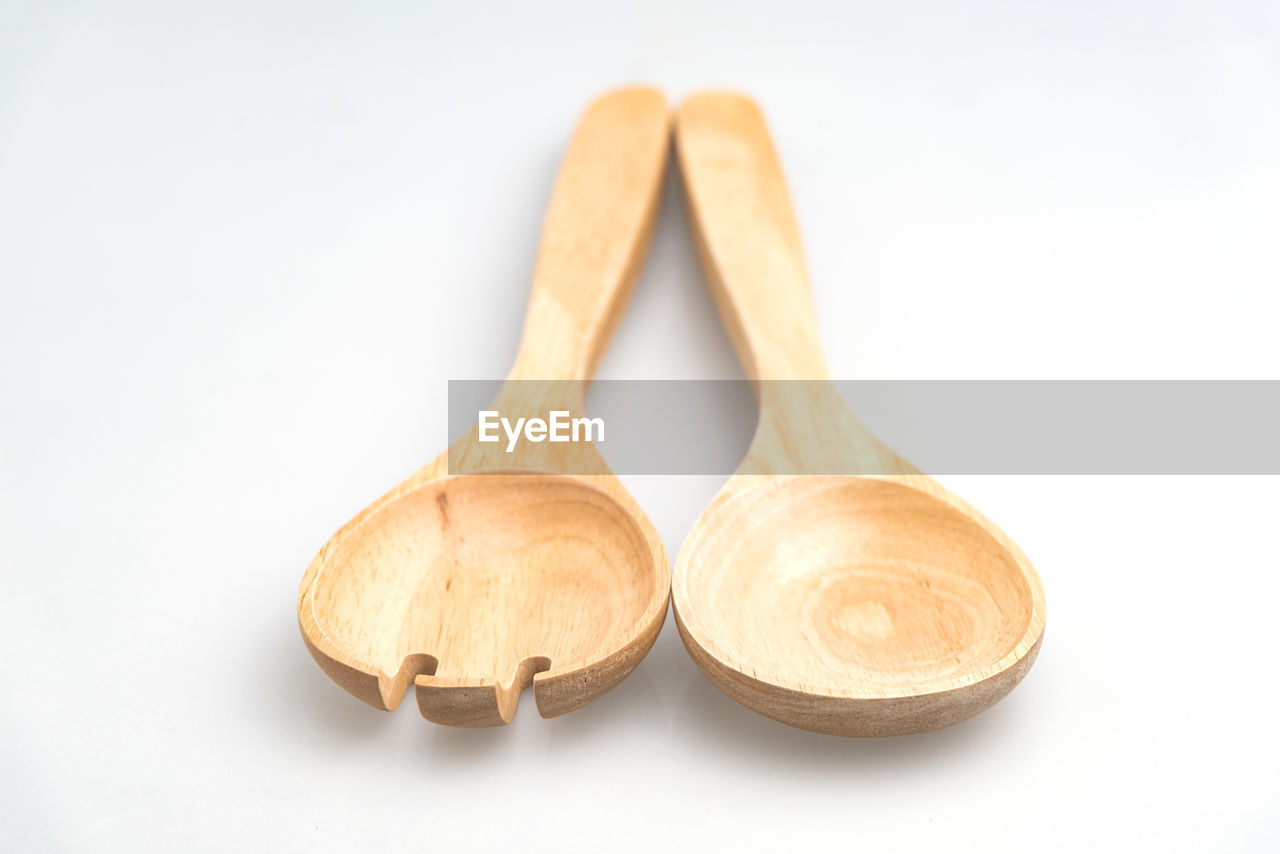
{"x": 846, "y": 595}
{"x": 502, "y": 576}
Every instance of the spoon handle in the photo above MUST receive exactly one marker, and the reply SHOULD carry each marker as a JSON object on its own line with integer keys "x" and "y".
{"x": 747, "y": 236}
{"x": 596, "y": 233}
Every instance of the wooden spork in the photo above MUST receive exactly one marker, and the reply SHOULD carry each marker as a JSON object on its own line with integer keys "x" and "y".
{"x": 474, "y": 585}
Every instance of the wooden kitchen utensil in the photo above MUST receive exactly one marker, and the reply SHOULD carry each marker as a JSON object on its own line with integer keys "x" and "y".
{"x": 873, "y": 605}
{"x": 473, "y": 586}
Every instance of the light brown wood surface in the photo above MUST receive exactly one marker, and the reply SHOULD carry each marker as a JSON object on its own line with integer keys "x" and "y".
{"x": 854, "y": 605}
{"x": 473, "y": 586}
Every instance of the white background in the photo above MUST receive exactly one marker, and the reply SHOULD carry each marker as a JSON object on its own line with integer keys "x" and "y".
{"x": 243, "y": 248}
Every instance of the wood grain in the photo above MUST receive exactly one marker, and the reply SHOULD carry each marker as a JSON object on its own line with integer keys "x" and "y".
{"x": 854, "y": 605}
{"x": 474, "y": 586}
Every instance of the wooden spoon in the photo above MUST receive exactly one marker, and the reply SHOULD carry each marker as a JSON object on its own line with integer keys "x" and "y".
{"x": 472, "y": 586}
{"x": 875, "y": 605}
